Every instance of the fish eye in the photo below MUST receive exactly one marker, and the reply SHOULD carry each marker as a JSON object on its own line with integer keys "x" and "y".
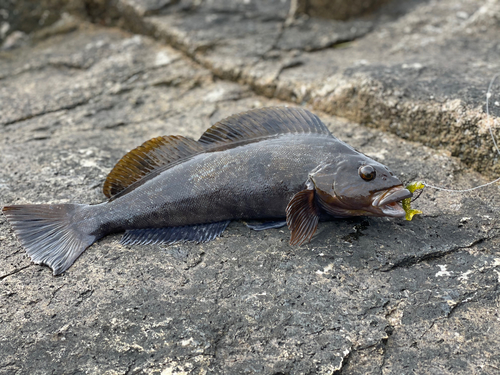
{"x": 367, "y": 172}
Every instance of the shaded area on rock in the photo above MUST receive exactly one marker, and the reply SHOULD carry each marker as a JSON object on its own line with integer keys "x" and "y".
{"x": 29, "y": 16}
{"x": 337, "y": 9}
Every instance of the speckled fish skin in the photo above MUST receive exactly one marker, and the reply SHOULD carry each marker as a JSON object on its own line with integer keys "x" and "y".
{"x": 263, "y": 164}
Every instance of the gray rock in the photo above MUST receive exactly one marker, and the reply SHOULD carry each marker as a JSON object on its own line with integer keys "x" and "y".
{"x": 417, "y": 69}
{"x": 312, "y": 34}
{"x": 14, "y": 40}
{"x": 366, "y": 295}
{"x": 28, "y": 16}
{"x": 337, "y": 9}
{"x": 148, "y": 7}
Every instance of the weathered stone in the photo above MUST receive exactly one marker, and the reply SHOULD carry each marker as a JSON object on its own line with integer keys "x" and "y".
{"x": 366, "y": 295}
{"x": 28, "y": 16}
{"x": 417, "y": 69}
{"x": 14, "y": 40}
{"x": 337, "y": 9}
{"x": 148, "y": 7}
{"x": 312, "y": 34}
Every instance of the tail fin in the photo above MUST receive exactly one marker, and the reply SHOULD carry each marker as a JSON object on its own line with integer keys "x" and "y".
{"x": 49, "y": 233}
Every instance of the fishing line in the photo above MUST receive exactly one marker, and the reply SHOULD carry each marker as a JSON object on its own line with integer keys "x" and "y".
{"x": 488, "y": 120}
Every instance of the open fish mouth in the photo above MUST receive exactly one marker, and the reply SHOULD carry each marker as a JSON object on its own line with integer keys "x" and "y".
{"x": 388, "y": 202}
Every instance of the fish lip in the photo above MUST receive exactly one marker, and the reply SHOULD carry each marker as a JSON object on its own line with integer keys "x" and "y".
{"x": 387, "y": 201}
{"x": 395, "y": 194}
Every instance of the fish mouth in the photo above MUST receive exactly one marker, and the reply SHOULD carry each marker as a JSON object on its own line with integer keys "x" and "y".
{"x": 388, "y": 201}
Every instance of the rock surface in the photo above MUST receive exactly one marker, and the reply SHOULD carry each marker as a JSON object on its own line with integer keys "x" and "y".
{"x": 336, "y": 9}
{"x": 29, "y": 16}
{"x": 367, "y": 295}
{"x": 419, "y": 69}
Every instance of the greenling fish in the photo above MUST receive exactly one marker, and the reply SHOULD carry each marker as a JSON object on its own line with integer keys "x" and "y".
{"x": 279, "y": 164}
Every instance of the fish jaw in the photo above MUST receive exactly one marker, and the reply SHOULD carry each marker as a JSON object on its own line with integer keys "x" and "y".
{"x": 388, "y": 202}
{"x": 381, "y": 203}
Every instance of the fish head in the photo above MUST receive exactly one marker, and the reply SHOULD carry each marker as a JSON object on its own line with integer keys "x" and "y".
{"x": 358, "y": 186}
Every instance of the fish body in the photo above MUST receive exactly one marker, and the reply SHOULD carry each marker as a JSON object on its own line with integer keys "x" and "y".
{"x": 252, "y": 181}
{"x": 272, "y": 163}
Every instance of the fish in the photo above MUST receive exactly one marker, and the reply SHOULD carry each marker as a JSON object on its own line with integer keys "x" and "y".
{"x": 277, "y": 164}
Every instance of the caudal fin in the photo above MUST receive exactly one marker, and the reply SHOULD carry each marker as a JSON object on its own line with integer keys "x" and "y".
{"x": 49, "y": 233}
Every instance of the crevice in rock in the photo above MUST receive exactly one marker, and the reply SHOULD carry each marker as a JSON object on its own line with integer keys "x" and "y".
{"x": 18, "y": 251}
{"x": 55, "y": 64}
{"x": 17, "y": 270}
{"x": 53, "y": 295}
{"x": 345, "y": 362}
{"x": 389, "y": 330}
{"x": 9, "y": 364}
{"x": 470, "y": 297}
{"x": 39, "y": 114}
{"x": 409, "y": 261}
{"x": 129, "y": 368}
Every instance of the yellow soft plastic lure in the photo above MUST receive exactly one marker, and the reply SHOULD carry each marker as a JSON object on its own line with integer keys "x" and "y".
{"x": 410, "y": 212}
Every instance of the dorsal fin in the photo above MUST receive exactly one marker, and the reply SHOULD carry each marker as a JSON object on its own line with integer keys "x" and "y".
{"x": 161, "y": 153}
{"x": 153, "y": 155}
{"x": 259, "y": 123}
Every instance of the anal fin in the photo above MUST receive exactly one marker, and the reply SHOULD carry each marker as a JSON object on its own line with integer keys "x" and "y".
{"x": 267, "y": 225}
{"x": 197, "y": 233}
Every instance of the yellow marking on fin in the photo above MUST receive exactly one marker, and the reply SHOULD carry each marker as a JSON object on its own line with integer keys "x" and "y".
{"x": 151, "y": 156}
{"x": 410, "y": 212}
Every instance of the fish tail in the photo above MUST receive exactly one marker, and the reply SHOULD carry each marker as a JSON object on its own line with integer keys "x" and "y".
{"x": 52, "y": 234}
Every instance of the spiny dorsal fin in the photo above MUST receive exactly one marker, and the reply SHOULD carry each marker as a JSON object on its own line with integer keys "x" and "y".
{"x": 159, "y": 154}
{"x": 259, "y": 123}
{"x": 152, "y": 155}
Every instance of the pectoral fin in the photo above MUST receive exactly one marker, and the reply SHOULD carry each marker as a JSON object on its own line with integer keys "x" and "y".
{"x": 302, "y": 216}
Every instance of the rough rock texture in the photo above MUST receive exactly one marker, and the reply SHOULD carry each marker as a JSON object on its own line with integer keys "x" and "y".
{"x": 20, "y": 17}
{"x": 368, "y": 295}
{"x": 419, "y": 69}
{"x": 336, "y": 9}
